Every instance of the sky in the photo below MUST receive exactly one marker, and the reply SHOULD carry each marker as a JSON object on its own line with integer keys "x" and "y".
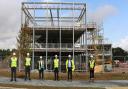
{"x": 113, "y": 14}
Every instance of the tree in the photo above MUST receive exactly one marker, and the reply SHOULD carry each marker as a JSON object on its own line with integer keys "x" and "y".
{"x": 4, "y": 53}
{"x": 119, "y": 53}
{"x": 23, "y": 43}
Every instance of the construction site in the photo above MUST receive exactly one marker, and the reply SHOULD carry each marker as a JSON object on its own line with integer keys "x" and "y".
{"x": 62, "y": 45}
{"x": 63, "y": 28}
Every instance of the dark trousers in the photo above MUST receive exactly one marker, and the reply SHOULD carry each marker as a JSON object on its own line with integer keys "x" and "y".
{"x": 27, "y": 72}
{"x": 91, "y": 73}
{"x": 41, "y": 73}
{"x": 69, "y": 73}
{"x": 56, "y": 74}
{"x": 13, "y": 73}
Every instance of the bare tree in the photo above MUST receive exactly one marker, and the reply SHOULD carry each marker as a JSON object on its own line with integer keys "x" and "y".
{"x": 23, "y": 44}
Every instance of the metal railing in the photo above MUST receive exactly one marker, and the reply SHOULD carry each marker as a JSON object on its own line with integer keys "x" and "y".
{"x": 53, "y": 45}
{"x": 105, "y": 52}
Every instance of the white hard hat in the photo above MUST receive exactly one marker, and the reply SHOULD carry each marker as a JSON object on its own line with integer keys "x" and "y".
{"x": 40, "y": 57}
{"x": 55, "y": 55}
{"x": 14, "y": 53}
{"x": 28, "y": 54}
{"x": 69, "y": 55}
{"x": 91, "y": 55}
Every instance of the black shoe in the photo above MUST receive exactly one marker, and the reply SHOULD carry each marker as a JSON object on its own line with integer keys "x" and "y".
{"x": 42, "y": 79}
{"x": 70, "y": 80}
{"x": 25, "y": 79}
{"x": 11, "y": 80}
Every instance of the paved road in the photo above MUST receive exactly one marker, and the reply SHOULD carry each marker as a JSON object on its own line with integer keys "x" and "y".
{"x": 62, "y": 83}
{"x": 11, "y": 88}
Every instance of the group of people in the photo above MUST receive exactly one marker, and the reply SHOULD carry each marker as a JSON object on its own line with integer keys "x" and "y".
{"x": 14, "y": 63}
{"x": 70, "y": 67}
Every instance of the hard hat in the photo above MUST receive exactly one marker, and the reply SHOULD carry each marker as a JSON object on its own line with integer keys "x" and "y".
{"x": 91, "y": 55}
{"x": 14, "y": 54}
{"x": 55, "y": 55}
{"x": 69, "y": 55}
{"x": 28, "y": 54}
{"x": 40, "y": 57}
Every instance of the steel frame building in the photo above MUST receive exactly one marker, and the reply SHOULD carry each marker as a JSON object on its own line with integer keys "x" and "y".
{"x": 61, "y": 28}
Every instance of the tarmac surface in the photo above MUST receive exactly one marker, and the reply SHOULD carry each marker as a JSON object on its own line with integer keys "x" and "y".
{"x": 108, "y": 84}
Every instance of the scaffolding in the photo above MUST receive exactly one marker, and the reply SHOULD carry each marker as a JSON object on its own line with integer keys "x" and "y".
{"x": 61, "y": 28}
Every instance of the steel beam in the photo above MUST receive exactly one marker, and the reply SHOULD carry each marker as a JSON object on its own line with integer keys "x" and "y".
{"x": 81, "y": 14}
{"x": 75, "y": 3}
{"x": 63, "y": 8}
{"x": 52, "y": 24}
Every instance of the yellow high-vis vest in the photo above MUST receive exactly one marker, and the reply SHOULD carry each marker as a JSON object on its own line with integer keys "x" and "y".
{"x": 28, "y": 61}
{"x": 92, "y": 63}
{"x": 56, "y": 63}
{"x": 13, "y": 61}
{"x": 73, "y": 65}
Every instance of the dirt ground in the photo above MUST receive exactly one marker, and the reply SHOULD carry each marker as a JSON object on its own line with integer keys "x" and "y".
{"x": 76, "y": 75}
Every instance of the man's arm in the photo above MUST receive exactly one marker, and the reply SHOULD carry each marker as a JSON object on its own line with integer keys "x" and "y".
{"x": 10, "y": 63}
{"x": 24, "y": 62}
{"x": 73, "y": 65}
{"x": 94, "y": 61}
{"x": 37, "y": 64}
{"x": 17, "y": 62}
{"x": 89, "y": 65}
{"x": 53, "y": 65}
{"x": 66, "y": 65}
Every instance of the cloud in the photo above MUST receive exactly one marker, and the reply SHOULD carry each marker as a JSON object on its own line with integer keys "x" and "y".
{"x": 102, "y": 13}
{"x": 10, "y": 19}
{"x": 43, "y": 0}
{"x": 9, "y": 22}
{"x": 123, "y": 43}
{"x": 47, "y": 0}
{"x": 9, "y": 43}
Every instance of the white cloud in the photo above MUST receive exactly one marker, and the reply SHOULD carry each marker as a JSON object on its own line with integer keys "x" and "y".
{"x": 102, "y": 13}
{"x": 9, "y": 43}
{"x": 47, "y": 0}
{"x": 9, "y": 22}
{"x": 123, "y": 43}
{"x": 50, "y": 0}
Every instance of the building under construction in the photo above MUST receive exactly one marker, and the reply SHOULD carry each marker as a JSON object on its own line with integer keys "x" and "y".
{"x": 62, "y": 28}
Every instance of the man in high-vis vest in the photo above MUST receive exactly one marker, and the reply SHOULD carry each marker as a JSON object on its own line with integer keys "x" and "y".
{"x": 91, "y": 68}
{"x": 13, "y": 66}
{"x": 27, "y": 64}
{"x": 41, "y": 68}
{"x": 56, "y": 68}
{"x": 70, "y": 67}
